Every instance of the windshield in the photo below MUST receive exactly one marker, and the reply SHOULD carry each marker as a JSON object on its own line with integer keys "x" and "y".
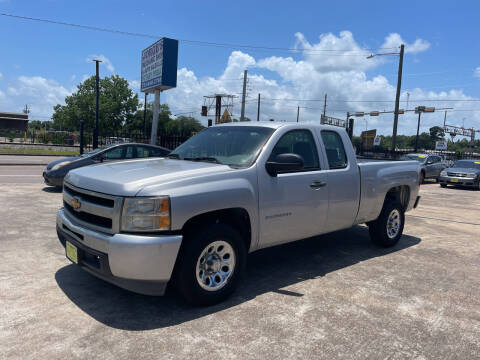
{"x": 419, "y": 158}
{"x": 97, "y": 150}
{"x": 236, "y": 146}
{"x": 467, "y": 164}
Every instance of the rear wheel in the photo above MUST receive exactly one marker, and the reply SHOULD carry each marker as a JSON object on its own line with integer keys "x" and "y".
{"x": 210, "y": 265}
{"x": 388, "y": 228}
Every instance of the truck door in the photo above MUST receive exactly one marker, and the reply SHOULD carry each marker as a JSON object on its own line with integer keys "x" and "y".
{"x": 343, "y": 182}
{"x": 293, "y": 205}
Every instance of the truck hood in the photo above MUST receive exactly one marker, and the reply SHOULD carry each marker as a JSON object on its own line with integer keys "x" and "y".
{"x": 127, "y": 178}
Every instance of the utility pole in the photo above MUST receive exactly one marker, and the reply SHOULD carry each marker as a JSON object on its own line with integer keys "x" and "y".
{"x": 325, "y": 105}
{"x": 298, "y": 112}
{"x": 244, "y": 93}
{"x": 97, "y": 94}
{"x": 445, "y": 119}
{"x": 145, "y": 116}
{"x": 218, "y": 108}
{"x": 156, "y": 112}
{"x": 418, "y": 130}
{"x": 258, "y": 108}
{"x": 397, "y": 97}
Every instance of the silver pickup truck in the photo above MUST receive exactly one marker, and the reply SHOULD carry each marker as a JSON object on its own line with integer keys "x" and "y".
{"x": 191, "y": 218}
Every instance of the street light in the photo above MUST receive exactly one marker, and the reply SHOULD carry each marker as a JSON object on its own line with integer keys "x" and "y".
{"x": 399, "y": 85}
{"x": 419, "y": 110}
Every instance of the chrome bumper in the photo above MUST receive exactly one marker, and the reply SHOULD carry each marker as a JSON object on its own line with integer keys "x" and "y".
{"x": 130, "y": 257}
{"x": 463, "y": 181}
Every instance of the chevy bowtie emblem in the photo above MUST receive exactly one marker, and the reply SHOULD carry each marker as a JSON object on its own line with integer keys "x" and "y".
{"x": 76, "y": 204}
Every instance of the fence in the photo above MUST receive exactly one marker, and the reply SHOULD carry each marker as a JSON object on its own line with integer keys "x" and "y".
{"x": 71, "y": 140}
{"x": 379, "y": 153}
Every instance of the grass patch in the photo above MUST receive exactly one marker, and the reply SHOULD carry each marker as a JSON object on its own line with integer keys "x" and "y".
{"x": 33, "y": 151}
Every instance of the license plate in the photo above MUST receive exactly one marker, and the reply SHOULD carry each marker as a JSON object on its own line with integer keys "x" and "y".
{"x": 71, "y": 251}
{"x": 453, "y": 180}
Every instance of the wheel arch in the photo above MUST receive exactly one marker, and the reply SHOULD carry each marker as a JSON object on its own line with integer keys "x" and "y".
{"x": 237, "y": 217}
{"x": 400, "y": 194}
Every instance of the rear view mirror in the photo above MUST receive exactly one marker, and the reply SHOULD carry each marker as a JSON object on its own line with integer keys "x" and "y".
{"x": 284, "y": 163}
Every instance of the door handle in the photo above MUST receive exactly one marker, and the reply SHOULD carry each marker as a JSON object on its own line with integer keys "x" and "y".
{"x": 318, "y": 184}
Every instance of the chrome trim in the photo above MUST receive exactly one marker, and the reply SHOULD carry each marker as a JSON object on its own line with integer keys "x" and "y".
{"x": 89, "y": 207}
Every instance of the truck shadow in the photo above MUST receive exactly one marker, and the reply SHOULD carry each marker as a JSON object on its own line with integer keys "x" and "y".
{"x": 268, "y": 270}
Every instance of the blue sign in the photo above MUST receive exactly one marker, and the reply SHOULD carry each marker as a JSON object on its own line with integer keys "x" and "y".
{"x": 159, "y": 65}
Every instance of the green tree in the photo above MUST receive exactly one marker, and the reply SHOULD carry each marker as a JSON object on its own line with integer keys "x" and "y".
{"x": 183, "y": 126}
{"x": 117, "y": 105}
{"x": 436, "y": 133}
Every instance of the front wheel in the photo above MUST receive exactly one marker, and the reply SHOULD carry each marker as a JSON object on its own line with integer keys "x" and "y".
{"x": 388, "y": 228}
{"x": 443, "y": 185}
{"x": 211, "y": 264}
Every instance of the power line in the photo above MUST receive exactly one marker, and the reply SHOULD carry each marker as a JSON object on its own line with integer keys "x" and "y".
{"x": 192, "y": 42}
{"x": 377, "y": 101}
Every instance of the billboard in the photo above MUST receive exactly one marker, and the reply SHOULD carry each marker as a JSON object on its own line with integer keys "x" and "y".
{"x": 441, "y": 145}
{"x": 159, "y": 65}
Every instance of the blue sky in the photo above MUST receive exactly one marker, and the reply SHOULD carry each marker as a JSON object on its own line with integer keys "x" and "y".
{"x": 41, "y": 63}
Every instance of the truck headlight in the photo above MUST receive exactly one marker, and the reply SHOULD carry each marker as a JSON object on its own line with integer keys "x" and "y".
{"x": 59, "y": 165}
{"x": 141, "y": 214}
{"x": 443, "y": 173}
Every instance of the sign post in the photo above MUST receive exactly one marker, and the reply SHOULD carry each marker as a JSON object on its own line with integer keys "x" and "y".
{"x": 159, "y": 73}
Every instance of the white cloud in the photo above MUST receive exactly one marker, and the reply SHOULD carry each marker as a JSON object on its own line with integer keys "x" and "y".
{"x": 134, "y": 85}
{"x": 104, "y": 61}
{"x": 1, "y": 75}
{"x": 394, "y": 40}
{"x": 40, "y": 93}
{"x": 342, "y": 78}
{"x": 476, "y": 72}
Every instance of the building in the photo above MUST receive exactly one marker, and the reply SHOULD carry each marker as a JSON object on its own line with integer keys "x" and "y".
{"x": 13, "y": 121}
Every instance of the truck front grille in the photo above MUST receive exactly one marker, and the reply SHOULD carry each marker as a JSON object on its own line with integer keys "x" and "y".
{"x": 96, "y": 211}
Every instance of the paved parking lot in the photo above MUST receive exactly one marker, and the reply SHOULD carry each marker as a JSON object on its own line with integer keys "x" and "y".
{"x": 335, "y": 296}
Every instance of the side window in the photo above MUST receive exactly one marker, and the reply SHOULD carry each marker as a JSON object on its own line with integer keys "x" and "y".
{"x": 143, "y": 152}
{"x": 129, "y": 154}
{"x": 337, "y": 159}
{"x": 298, "y": 142}
{"x": 114, "y": 154}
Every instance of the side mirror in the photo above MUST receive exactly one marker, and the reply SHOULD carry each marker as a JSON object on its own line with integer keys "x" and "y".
{"x": 99, "y": 157}
{"x": 284, "y": 163}
{"x": 429, "y": 162}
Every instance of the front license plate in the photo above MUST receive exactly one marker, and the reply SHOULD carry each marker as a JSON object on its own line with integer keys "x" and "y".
{"x": 453, "y": 180}
{"x": 72, "y": 252}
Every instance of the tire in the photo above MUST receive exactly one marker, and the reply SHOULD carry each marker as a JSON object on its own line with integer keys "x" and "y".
{"x": 210, "y": 265}
{"x": 437, "y": 180}
{"x": 384, "y": 233}
{"x": 443, "y": 185}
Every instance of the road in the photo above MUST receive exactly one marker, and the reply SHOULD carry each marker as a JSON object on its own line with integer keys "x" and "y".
{"x": 21, "y": 174}
{"x": 27, "y": 160}
{"x": 334, "y": 296}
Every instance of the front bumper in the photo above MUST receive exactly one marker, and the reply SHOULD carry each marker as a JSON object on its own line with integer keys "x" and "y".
{"x": 52, "y": 180}
{"x": 460, "y": 181}
{"x": 138, "y": 263}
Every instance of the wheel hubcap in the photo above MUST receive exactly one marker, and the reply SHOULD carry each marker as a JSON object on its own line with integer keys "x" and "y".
{"x": 215, "y": 265}
{"x": 393, "y": 223}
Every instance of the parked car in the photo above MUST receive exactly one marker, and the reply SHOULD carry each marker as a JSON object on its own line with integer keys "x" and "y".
{"x": 55, "y": 172}
{"x": 229, "y": 190}
{"x": 462, "y": 173}
{"x": 430, "y": 165}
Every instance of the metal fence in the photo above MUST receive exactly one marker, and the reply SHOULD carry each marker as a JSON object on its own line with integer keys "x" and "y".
{"x": 72, "y": 139}
{"x": 376, "y": 153}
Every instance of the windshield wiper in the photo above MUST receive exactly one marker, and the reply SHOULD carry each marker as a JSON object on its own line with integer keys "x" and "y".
{"x": 204, "y": 158}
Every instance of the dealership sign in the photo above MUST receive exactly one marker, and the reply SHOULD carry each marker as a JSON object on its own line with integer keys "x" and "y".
{"x": 159, "y": 65}
{"x": 441, "y": 145}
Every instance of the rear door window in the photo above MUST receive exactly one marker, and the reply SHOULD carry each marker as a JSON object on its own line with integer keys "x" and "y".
{"x": 337, "y": 158}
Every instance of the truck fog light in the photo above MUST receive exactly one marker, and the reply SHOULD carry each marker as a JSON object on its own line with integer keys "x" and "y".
{"x": 146, "y": 214}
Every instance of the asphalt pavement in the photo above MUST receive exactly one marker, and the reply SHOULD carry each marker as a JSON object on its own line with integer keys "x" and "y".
{"x": 330, "y": 297}
{"x": 21, "y": 174}
{"x": 27, "y": 159}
